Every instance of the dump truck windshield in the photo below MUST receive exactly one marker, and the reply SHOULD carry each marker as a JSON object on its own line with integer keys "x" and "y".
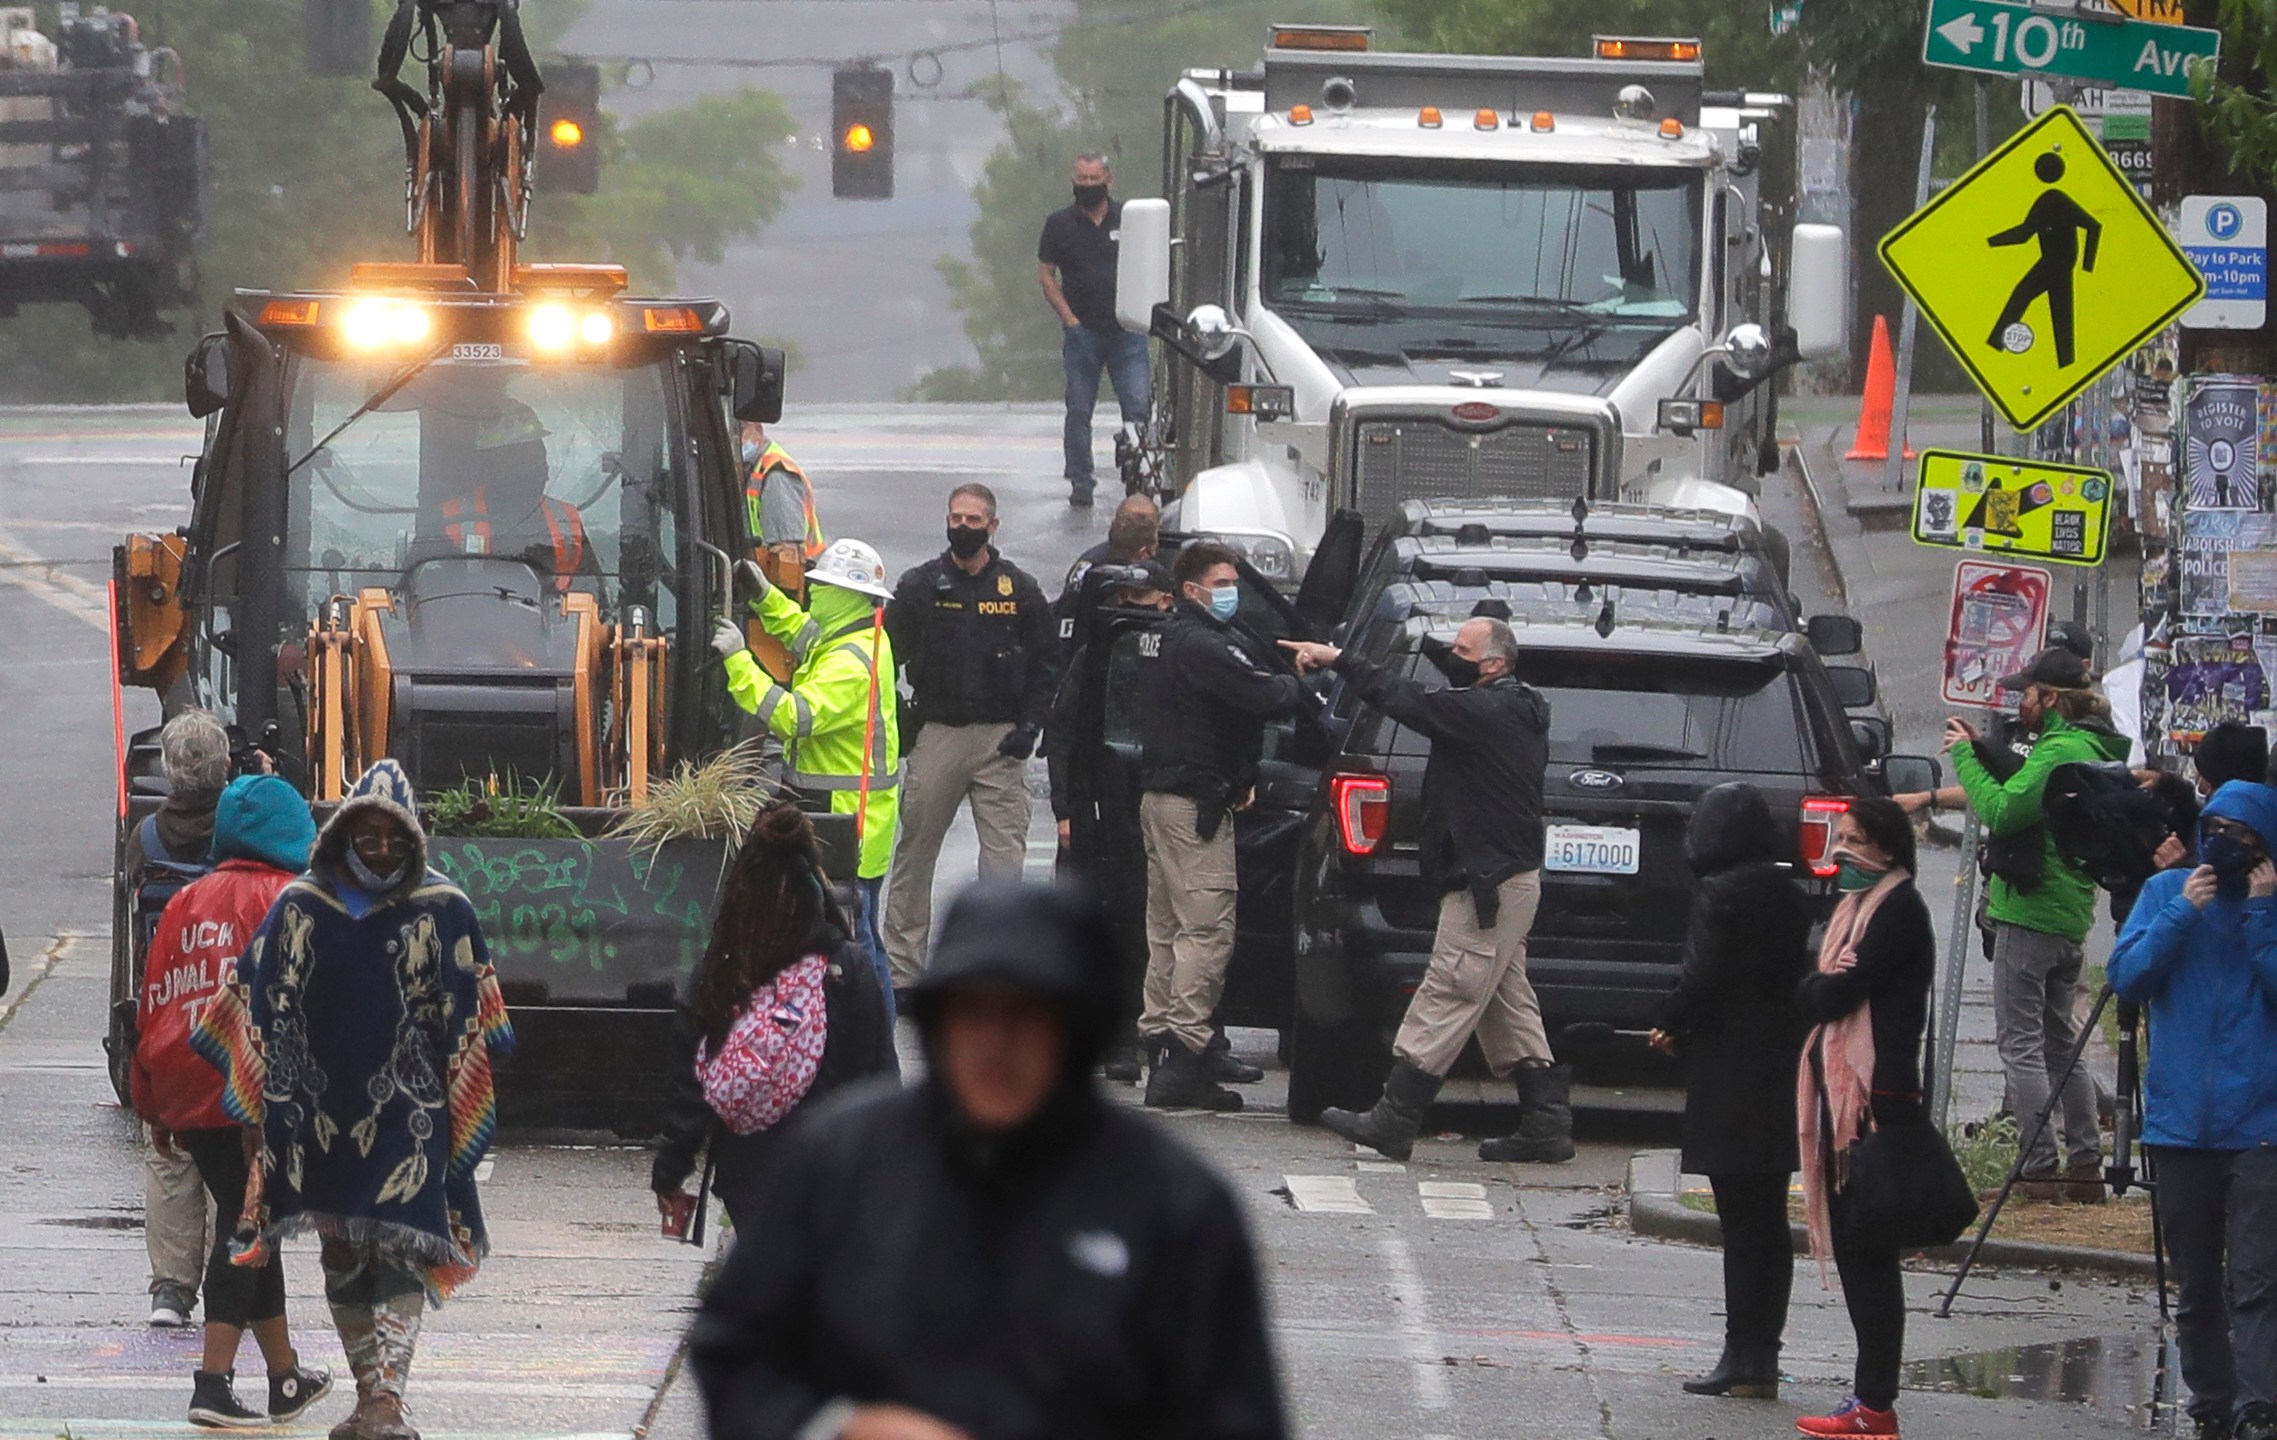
{"x": 566, "y": 467}
{"x": 1368, "y": 238}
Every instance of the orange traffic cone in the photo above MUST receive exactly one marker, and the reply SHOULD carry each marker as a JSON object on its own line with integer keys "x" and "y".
{"x": 1873, "y": 439}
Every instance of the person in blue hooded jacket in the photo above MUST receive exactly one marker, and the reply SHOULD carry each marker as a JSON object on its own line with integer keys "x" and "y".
{"x": 2200, "y": 951}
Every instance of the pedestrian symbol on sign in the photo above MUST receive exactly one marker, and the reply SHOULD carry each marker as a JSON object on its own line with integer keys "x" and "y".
{"x": 2057, "y": 222}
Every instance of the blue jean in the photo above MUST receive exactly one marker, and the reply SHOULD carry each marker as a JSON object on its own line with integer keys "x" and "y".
{"x": 2219, "y": 1210}
{"x": 866, "y": 925}
{"x": 1083, "y": 353}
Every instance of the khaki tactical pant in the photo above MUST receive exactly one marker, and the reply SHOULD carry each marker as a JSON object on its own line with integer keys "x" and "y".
{"x": 174, "y": 1225}
{"x": 1477, "y": 982}
{"x": 949, "y": 765}
{"x": 1190, "y": 894}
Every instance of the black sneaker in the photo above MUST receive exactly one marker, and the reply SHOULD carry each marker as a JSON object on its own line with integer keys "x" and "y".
{"x": 2256, "y": 1422}
{"x": 172, "y": 1306}
{"x": 296, "y": 1390}
{"x": 2212, "y": 1426}
{"x": 213, "y": 1404}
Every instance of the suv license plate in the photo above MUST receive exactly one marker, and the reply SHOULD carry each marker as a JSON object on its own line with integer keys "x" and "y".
{"x": 1590, "y": 849}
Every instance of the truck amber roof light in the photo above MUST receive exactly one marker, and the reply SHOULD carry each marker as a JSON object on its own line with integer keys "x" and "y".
{"x": 594, "y": 280}
{"x": 1544, "y": 122}
{"x": 671, "y": 320}
{"x": 409, "y": 275}
{"x": 1353, "y": 38}
{"x": 288, "y": 312}
{"x": 1486, "y": 120}
{"x": 1672, "y": 129}
{"x": 1428, "y": 117}
{"x": 1631, "y": 47}
{"x": 1300, "y": 114}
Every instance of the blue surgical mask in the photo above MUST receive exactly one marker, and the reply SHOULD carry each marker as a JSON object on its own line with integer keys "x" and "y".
{"x": 1224, "y": 601}
{"x": 750, "y": 452}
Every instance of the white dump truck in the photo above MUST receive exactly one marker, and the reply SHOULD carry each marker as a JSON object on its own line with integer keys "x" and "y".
{"x": 1379, "y": 277}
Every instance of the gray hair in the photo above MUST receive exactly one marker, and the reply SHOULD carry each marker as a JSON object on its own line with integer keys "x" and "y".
{"x": 194, "y": 751}
{"x": 1093, "y": 157}
{"x": 1501, "y": 643}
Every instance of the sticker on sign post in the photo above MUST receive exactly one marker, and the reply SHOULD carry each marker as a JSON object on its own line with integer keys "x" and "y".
{"x": 2227, "y": 238}
{"x": 2000, "y": 613}
{"x": 2014, "y": 507}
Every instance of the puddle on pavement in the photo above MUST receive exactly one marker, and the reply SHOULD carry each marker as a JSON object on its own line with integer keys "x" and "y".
{"x": 2135, "y": 1375}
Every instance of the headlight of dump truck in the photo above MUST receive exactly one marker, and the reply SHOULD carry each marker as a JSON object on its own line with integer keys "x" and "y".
{"x": 1271, "y": 555}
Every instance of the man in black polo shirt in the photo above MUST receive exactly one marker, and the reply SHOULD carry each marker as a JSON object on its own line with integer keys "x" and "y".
{"x": 1075, "y": 264}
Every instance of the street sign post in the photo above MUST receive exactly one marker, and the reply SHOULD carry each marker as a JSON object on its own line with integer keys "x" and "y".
{"x": 1994, "y": 38}
{"x": 2041, "y": 268}
{"x": 2000, "y": 613}
{"x": 2012, "y": 507}
{"x": 2227, "y": 238}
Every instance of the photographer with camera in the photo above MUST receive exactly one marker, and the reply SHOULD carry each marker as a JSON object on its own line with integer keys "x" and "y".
{"x": 2200, "y": 951}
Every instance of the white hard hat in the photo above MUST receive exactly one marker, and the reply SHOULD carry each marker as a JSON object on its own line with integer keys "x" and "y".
{"x": 851, "y": 565}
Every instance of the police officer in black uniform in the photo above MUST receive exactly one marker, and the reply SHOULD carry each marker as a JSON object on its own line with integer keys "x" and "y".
{"x": 976, "y": 640}
{"x": 1209, "y": 694}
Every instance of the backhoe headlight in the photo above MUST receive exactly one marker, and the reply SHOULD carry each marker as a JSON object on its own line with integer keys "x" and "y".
{"x": 374, "y": 322}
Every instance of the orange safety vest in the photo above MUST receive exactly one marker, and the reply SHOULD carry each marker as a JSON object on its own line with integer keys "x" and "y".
{"x": 467, "y": 523}
{"x": 772, "y": 458}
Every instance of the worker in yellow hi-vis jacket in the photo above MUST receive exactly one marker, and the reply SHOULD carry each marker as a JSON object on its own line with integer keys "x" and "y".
{"x": 836, "y": 716}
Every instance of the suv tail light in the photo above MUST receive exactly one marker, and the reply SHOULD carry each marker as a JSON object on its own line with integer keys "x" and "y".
{"x": 1363, "y": 808}
{"x": 1814, "y": 840}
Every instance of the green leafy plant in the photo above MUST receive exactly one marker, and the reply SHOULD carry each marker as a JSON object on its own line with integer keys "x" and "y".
{"x": 500, "y": 809}
{"x": 2236, "y": 111}
{"x": 716, "y": 799}
{"x": 1986, "y": 1149}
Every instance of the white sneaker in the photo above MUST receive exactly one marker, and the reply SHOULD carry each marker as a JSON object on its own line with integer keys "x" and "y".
{"x": 170, "y": 1308}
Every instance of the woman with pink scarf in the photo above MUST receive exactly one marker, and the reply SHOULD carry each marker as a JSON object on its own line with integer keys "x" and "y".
{"x": 1868, "y": 999}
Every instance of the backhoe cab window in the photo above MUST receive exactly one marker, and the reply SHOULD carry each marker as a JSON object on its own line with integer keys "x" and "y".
{"x": 1368, "y": 239}
{"x": 565, "y": 468}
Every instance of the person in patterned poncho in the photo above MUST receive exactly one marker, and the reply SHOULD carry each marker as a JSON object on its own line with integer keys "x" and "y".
{"x": 357, "y": 1038}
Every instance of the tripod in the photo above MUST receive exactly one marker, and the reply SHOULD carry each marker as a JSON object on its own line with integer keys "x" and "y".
{"x": 2119, "y": 1174}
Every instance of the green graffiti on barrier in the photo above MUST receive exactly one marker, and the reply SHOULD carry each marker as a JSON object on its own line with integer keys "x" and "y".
{"x": 580, "y": 903}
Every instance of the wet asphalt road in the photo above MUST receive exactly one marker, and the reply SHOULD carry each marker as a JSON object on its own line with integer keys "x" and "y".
{"x": 1443, "y": 1298}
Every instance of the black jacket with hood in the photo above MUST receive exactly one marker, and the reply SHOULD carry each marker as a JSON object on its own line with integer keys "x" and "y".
{"x": 1083, "y": 1276}
{"x": 1733, "y": 1009}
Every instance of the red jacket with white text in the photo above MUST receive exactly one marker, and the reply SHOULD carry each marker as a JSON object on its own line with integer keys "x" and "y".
{"x": 191, "y": 956}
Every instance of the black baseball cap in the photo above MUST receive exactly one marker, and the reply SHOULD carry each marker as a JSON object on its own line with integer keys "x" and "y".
{"x": 2071, "y": 635}
{"x": 2055, "y": 667}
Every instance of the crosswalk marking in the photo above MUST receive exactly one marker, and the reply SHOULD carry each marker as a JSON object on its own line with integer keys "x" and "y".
{"x": 1326, "y": 1195}
{"x": 1340, "y": 1194}
{"x": 1454, "y": 1200}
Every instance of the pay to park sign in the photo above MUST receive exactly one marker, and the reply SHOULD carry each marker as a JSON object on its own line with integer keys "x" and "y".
{"x": 2015, "y": 507}
{"x": 2041, "y": 267}
{"x": 2000, "y": 613}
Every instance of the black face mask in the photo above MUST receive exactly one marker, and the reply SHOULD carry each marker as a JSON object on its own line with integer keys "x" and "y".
{"x": 1089, "y": 196}
{"x": 1460, "y": 673}
{"x": 966, "y": 541}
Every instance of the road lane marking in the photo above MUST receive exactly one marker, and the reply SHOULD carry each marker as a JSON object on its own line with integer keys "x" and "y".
{"x": 1326, "y": 1195}
{"x": 44, "y": 579}
{"x": 1454, "y": 1200}
{"x": 1381, "y": 1167}
{"x": 1411, "y": 1303}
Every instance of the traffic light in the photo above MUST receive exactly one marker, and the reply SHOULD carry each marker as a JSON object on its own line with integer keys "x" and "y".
{"x": 569, "y": 129}
{"x": 861, "y": 133}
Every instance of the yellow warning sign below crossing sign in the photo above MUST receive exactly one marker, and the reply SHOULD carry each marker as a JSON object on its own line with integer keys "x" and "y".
{"x": 2041, "y": 268}
{"x": 1999, "y": 506}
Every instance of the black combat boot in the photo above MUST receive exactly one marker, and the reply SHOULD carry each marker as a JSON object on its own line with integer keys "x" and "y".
{"x": 1389, "y": 1129}
{"x": 1179, "y": 1082}
{"x": 1545, "y": 1118}
{"x": 1221, "y": 1064}
{"x": 1746, "y": 1372}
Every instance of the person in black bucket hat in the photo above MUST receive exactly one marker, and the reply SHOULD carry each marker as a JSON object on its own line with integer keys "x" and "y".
{"x": 997, "y": 1251}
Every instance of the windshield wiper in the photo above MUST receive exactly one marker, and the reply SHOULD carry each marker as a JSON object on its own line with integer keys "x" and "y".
{"x": 1641, "y": 750}
{"x": 376, "y": 399}
{"x": 1552, "y": 302}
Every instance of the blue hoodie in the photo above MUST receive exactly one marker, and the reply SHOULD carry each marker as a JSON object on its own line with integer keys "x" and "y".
{"x": 2209, "y": 978}
{"x": 263, "y": 818}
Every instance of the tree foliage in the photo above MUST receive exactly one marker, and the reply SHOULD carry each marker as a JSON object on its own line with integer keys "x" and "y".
{"x": 2236, "y": 111}
{"x": 307, "y": 177}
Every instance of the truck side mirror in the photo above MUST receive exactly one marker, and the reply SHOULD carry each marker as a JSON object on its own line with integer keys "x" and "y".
{"x": 1333, "y": 572}
{"x": 1835, "y": 634}
{"x": 1818, "y": 284}
{"x": 1911, "y": 774}
{"x": 1142, "y": 263}
{"x": 755, "y": 381}
{"x": 1871, "y": 734}
{"x": 206, "y": 376}
{"x": 1853, "y": 685}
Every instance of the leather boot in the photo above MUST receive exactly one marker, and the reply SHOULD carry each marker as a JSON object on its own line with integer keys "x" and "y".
{"x": 352, "y": 1428}
{"x": 1179, "y": 1082}
{"x": 1220, "y": 1063}
{"x": 1545, "y": 1118}
{"x": 1746, "y": 1372}
{"x": 1390, "y": 1128}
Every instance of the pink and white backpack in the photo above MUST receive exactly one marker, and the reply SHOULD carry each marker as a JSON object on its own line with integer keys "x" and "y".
{"x": 772, "y": 1052}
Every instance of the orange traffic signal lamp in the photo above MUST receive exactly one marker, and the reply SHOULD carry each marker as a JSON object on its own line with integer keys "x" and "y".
{"x": 861, "y": 128}
{"x": 569, "y": 159}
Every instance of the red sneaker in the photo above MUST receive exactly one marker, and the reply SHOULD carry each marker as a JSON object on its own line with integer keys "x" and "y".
{"x": 1852, "y": 1417}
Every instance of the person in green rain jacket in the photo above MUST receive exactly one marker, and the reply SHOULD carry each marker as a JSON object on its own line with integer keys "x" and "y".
{"x": 2038, "y": 922}
{"x": 837, "y": 716}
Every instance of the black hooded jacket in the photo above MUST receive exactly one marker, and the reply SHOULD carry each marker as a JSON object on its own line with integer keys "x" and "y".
{"x": 1733, "y": 1009}
{"x": 1083, "y": 1276}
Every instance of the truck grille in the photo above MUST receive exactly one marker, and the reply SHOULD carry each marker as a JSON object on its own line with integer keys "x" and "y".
{"x": 1403, "y": 460}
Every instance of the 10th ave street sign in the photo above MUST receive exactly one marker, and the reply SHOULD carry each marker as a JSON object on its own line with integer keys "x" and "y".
{"x": 1994, "y": 38}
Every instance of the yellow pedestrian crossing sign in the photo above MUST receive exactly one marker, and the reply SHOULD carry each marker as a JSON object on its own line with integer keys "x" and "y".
{"x": 2041, "y": 268}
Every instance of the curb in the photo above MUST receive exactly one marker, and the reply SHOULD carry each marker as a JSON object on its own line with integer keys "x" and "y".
{"x": 1814, "y": 506}
{"x": 1655, "y": 1211}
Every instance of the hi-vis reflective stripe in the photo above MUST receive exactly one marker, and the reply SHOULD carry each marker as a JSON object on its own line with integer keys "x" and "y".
{"x": 802, "y": 780}
{"x": 883, "y": 774}
{"x": 803, "y": 641}
{"x": 776, "y": 695}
